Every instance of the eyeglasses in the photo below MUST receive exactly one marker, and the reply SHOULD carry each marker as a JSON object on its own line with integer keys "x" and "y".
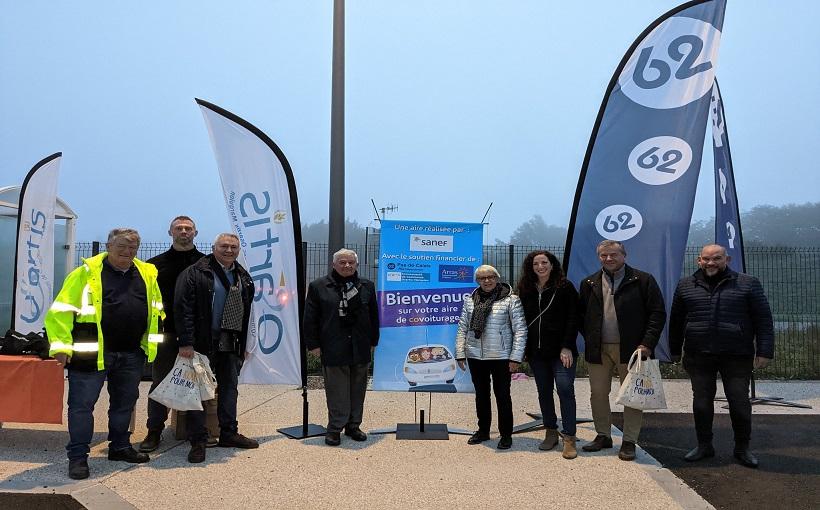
{"x": 485, "y": 278}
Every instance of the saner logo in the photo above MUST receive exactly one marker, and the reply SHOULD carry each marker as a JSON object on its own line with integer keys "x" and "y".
{"x": 431, "y": 243}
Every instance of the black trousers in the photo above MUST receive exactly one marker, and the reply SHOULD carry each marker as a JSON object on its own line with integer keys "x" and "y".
{"x": 166, "y": 357}
{"x": 736, "y": 373}
{"x": 482, "y": 372}
{"x": 345, "y": 389}
{"x": 226, "y": 367}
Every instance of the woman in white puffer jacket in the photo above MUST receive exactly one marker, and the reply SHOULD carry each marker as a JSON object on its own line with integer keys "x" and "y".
{"x": 492, "y": 334}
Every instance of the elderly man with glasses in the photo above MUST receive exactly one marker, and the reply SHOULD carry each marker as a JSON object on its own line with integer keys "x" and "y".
{"x": 212, "y": 305}
{"x": 341, "y": 325}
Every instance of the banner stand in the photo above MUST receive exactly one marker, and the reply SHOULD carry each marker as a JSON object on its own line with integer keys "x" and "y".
{"x": 728, "y": 231}
{"x": 421, "y": 430}
{"x": 259, "y": 188}
{"x": 766, "y": 401}
{"x": 306, "y": 429}
{"x": 538, "y": 423}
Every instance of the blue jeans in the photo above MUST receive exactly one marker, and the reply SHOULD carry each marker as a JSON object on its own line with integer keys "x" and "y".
{"x": 546, "y": 372}
{"x": 123, "y": 371}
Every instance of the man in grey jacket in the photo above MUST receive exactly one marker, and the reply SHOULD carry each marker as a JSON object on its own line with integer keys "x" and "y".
{"x": 492, "y": 334}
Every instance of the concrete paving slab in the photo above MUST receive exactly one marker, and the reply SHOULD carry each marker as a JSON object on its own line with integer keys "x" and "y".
{"x": 379, "y": 473}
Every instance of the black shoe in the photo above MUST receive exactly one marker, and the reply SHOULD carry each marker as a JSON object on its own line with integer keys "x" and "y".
{"x": 151, "y": 441}
{"x": 600, "y": 442}
{"x": 745, "y": 457}
{"x": 197, "y": 453}
{"x": 237, "y": 440}
{"x": 478, "y": 437}
{"x": 627, "y": 451}
{"x": 78, "y": 469}
{"x": 128, "y": 455}
{"x": 333, "y": 439}
{"x": 356, "y": 434}
{"x": 703, "y": 451}
{"x": 505, "y": 443}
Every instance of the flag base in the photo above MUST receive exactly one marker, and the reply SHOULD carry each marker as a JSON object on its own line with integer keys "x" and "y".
{"x": 538, "y": 423}
{"x": 303, "y": 431}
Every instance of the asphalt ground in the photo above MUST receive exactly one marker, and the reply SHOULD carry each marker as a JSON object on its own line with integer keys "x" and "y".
{"x": 787, "y": 446}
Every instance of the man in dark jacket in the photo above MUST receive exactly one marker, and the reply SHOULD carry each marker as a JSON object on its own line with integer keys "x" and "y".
{"x": 170, "y": 264}
{"x": 620, "y": 310}
{"x": 212, "y": 306}
{"x": 723, "y": 322}
{"x": 341, "y": 325}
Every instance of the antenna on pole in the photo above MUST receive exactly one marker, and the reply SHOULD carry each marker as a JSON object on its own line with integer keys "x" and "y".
{"x": 384, "y": 210}
{"x": 486, "y": 213}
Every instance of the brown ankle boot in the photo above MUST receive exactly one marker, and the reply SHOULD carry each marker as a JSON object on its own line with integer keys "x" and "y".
{"x": 550, "y": 440}
{"x": 569, "y": 448}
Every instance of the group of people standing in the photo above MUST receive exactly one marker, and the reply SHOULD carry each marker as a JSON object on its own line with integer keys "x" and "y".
{"x": 114, "y": 312}
{"x": 720, "y": 319}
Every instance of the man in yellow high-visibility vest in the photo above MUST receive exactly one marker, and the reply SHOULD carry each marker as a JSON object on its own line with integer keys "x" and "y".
{"x": 102, "y": 326}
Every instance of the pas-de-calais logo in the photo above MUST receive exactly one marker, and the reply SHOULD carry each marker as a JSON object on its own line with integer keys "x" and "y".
{"x": 420, "y": 242}
{"x": 461, "y": 274}
{"x": 31, "y": 282}
{"x": 391, "y": 266}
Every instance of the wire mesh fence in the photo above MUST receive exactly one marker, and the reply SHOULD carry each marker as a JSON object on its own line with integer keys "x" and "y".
{"x": 790, "y": 278}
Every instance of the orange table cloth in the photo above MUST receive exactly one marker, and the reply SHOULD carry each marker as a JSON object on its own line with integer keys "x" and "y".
{"x": 31, "y": 390}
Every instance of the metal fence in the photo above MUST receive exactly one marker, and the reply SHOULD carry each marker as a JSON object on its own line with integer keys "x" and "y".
{"x": 790, "y": 278}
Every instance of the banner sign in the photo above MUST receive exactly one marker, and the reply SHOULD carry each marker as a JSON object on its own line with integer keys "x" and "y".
{"x": 34, "y": 259}
{"x": 425, "y": 273}
{"x": 640, "y": 172}
{"x": 260, "y": 195}
{"x": 727, "y": 210}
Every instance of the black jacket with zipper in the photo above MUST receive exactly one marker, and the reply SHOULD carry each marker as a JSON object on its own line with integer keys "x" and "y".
{"x": 341, "y": 344}
{"x": 557, "y": 327}
{"x": 193, "y": 305}
{"x": 638, "y": 306}
{"x": 730, "y": 317}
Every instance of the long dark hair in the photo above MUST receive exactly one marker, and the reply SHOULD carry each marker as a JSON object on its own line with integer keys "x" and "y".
{"x": 528, "y": 281}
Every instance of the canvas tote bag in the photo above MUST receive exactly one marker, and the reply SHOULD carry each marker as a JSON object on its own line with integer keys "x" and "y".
{"x": 180, "y": 388}
{"x": 643, "y": 388}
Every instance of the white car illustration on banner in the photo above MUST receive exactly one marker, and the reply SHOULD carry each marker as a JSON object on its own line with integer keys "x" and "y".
{"x": 429, "y": 364}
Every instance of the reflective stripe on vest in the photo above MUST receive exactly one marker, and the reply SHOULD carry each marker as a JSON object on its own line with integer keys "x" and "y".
{"x": 85, "y": 307}
{"x": 155, "y": 338}
{"x": 77, "y": 347}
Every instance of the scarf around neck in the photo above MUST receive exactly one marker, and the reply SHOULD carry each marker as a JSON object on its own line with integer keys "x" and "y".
{"x": 350, "y": 301}
{"x": 482, "y": 306}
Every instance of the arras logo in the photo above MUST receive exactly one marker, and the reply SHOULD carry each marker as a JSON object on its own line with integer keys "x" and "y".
{"x": 431, "y": 243}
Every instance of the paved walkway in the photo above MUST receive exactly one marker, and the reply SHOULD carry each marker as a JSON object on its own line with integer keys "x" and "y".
{"x": 381, "y": 473}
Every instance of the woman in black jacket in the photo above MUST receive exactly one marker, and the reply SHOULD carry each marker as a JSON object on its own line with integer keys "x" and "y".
{"x": 550, "y": 306}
